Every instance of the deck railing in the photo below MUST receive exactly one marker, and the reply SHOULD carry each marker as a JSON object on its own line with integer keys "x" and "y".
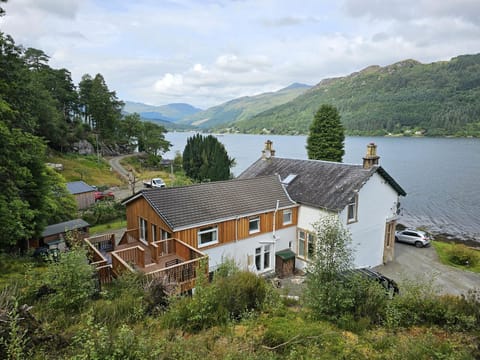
{"x": 105, "y": 243}
{"x": 180, "y": 271}
{"x": 129, "y": 236}
{"x": 127, "y": 259}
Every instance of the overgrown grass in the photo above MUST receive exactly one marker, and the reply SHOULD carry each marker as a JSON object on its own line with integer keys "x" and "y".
{"x": 89, "y": 168}
{"x": 444, "y": 251}
{"x": 112, "y": 225}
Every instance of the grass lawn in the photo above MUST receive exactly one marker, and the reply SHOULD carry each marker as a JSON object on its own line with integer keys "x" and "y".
{"x": 114, "y": 225}
{"x": 444, "y": 249}
{"x": 88, "y": 168}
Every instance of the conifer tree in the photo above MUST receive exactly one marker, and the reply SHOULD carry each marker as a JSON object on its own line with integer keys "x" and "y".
{"x": 326, "y": 138}
{"x": 205, "y": 159}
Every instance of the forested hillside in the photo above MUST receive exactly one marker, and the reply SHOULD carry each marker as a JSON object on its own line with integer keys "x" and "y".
{"x": 441, "y": 98}
{"x": 244, "y": 107}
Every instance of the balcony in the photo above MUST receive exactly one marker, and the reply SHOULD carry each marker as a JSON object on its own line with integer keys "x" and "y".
{"x": 172, "y": 260}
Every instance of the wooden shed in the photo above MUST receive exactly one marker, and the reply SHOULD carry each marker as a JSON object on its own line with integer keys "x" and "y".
{"x": 53, "y": 236}
{"x": 84, "y": 193}
{"x": 284, "y": 263}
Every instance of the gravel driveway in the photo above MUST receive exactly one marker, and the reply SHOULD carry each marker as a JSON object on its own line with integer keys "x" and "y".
{"x": 424, "y": 265}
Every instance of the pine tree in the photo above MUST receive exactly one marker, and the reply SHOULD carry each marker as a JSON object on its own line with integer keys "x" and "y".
{"x": 326, "y": 138}
{"x": 205, "y": 159}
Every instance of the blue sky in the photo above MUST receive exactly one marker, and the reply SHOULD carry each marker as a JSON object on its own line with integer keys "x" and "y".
{"x": 208, "y": 52}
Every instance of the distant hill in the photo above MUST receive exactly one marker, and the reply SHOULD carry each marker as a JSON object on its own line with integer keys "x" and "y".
{"x": 171, "y": 112}
{"x": 244, "y": 107}
{"x": 441, "y": 98}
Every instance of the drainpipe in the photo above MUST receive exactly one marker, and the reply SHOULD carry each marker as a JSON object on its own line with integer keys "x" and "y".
{"x": 275, "y": 218}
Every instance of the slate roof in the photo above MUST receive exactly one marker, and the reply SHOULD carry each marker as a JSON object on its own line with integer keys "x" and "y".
{"x": 201, "y": 204}
{"x": 64, "y": 226}
{"x": 321, "y": 184}
{"x": 78, "y": 187}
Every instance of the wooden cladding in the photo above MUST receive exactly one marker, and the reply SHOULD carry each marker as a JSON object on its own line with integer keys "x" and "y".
{"x": 228, "y": 231}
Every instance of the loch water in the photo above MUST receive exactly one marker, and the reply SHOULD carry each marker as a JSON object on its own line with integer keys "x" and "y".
{"x": 440, "y": 175}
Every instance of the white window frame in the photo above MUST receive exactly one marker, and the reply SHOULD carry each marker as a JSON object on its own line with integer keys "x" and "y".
{"x": 143, "y": 229}
{"x": 211, "y": 229}
{"x": 165, "y": 234}
{"x": 306, "y": 241}
{"x": 290, "y": 217}
{"x": 154, "y": 232}
{"x": 301, "y": 243}
{"x": 263, "y": 258}
{"x": 251, "y": 221}
{"x": 352, "y": 210}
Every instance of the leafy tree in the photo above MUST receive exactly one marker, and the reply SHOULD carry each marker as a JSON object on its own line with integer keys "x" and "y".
{"x": 60, "y": 205}
{"x": 130, "y": 129}
{"x": 152, "y": 139}
{"x": 325, "y": 294}
{"x": 24, "y": 186}
{"x": 205, "y": 159}
{"x": 326, "y": 138}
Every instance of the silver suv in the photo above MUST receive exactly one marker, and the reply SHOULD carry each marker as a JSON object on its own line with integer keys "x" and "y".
{"x": 412, "y": 236}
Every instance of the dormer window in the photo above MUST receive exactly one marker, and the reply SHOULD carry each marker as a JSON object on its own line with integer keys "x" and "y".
{"x": 352, "y": 209}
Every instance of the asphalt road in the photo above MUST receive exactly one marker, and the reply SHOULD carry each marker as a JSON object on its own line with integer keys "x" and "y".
{"x": 424, "y": 265}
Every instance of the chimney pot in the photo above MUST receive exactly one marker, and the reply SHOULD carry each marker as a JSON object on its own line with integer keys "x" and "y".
{"x": 268, "y": 152}
{"x": 371, "y": 158}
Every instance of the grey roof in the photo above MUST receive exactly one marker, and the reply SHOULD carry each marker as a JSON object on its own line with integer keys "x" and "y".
{"x": 64, "y": 226}
{"x": 195, "y": 205}
{"x": 78, "y": 187}
{"x": 321, "y": 184}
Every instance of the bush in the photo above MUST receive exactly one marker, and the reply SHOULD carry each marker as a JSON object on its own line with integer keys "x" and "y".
{"x": 71, "y": 281}
{"x": 460, "y": 254}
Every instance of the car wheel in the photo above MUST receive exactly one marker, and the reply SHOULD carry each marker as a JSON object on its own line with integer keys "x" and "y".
{"x": 396, "y": 238}
{"x": 418, "y": 244}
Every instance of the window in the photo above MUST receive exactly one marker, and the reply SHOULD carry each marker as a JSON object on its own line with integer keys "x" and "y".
{"x": 154, "y": 232}
{"x": 301, "y": 243}
{"x": 165, "y": 235}
{"x": 254, "y": 225}
{"x": 310, "y": 246}
{"x": 306, "y": 245}
{"x": 208, "y": 236}
{"x": 262, "y": 258}
{"x": 143, "y": 229}
{"x": 287, "y": 217}
{"x": 352, "y": 210}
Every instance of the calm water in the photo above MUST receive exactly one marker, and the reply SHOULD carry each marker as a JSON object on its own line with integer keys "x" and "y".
{"x": 441, "y": 176}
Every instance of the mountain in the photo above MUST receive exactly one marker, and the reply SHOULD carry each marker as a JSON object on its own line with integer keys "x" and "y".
{"x": 244, "y": 107}
{"x": 171, "y": 112}
{"x": 408, "y": 97}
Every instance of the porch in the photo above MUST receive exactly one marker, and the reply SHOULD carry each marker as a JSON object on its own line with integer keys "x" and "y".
{"x": 172, "y": 260}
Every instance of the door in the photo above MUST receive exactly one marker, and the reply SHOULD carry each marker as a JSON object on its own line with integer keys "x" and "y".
{"x": 389, "y": 242}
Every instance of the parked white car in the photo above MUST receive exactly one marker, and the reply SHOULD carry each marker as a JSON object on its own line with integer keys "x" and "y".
{"x": 415, "y": 237}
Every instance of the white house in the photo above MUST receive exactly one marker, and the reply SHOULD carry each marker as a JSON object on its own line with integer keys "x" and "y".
{"x": 365, "y": 198}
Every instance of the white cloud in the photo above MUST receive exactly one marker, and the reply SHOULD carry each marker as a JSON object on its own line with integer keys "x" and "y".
{"x": 212, "y": 51}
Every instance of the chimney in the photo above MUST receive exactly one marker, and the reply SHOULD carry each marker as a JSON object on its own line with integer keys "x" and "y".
{"x": 371, "y": 158}
{"x": 268, "y": 152}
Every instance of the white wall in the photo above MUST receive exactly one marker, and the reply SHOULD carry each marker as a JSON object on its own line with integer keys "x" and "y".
{"x": 241, "y": 249}
{"x": 376, "y": 204}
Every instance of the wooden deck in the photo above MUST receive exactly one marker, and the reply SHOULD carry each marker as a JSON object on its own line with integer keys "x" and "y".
{"x": 171, "y": 259}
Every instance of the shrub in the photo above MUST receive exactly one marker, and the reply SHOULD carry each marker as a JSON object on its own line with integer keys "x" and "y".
{"x": 71, "y": 280}
{"x": 240, "y": 293}
{"x": 460, "y": 254}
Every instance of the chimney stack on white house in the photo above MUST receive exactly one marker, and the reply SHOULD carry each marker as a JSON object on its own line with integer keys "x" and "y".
{"x": 371, "y": 158}
{"x": 268, "y": 152}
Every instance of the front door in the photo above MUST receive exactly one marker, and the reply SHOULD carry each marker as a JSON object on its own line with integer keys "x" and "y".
{"x": 389, "y": 243}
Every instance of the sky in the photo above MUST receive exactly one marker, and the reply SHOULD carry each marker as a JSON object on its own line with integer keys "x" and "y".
{"x": 206, "y": 52}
